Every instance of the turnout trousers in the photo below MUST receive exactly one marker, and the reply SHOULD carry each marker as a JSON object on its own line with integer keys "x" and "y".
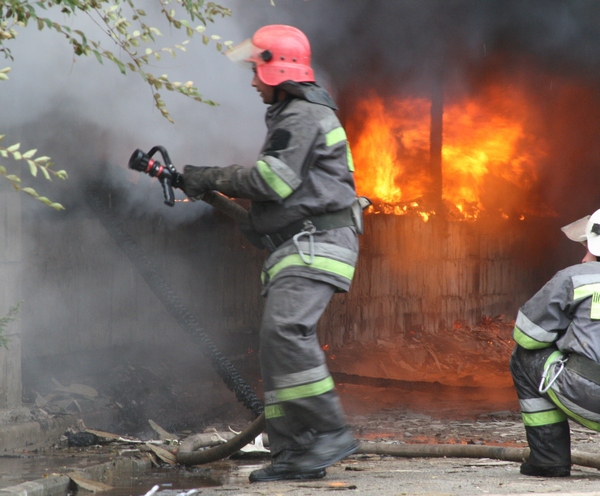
{"x": 546, "y": 425}
{"x": 300, "y": 399}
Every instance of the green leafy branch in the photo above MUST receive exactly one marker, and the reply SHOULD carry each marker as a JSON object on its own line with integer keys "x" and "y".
{"x": 36, "y": 164}
{"x": 125, "y": 25}
{"x": 7, "y": 319}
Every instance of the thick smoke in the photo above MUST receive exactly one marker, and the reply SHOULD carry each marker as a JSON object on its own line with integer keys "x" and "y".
{"x": 548, "y": 49}
{"x": 383, "y": 39}
{"x": 89, "y": 119}
{"x": 53, "y": 95}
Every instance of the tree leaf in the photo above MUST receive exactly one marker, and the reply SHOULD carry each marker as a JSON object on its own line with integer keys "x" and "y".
{"x": 121, "y": 66}
{"x": 32, "y": 168}
{"x": 30, "y": 153}
{"x": 98, "y": 56}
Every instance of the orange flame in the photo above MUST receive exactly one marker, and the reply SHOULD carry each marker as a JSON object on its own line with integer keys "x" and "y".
{"x": 489, "y": 158}
{"x": 391, "y": 145}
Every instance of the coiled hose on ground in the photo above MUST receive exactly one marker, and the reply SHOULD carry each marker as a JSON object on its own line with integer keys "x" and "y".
{"x": 174, "y": 305}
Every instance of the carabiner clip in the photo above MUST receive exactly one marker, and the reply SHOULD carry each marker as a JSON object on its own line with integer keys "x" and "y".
{"x": 561, "y": 367}
{"x": 308, "y": 230}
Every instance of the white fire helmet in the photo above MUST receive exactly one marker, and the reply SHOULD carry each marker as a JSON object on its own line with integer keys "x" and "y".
{"x": 586, "y": 231}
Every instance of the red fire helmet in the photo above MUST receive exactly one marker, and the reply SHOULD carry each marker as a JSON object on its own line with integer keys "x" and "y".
{"x": 278, "y": 52}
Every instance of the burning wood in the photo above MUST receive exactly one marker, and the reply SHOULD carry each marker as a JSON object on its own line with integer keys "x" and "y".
{"x": 489, "y": 157}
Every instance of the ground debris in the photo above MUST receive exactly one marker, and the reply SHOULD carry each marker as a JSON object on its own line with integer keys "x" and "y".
{"x": 329, "y": 486}
{"x": 462, "y": 356}
{"x": 82, "y": 437}
{"x": 76, "y": 389}
{"x": 165, "y": 455}
{"x": 82, "y": 482}
{"x": 162, "y": 434}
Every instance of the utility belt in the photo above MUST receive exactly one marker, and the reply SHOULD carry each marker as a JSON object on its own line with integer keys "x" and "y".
{"x": 585, "y": 367}
{"x": 309, "y": 225}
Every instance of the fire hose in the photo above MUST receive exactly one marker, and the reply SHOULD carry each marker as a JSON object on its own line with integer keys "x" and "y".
{"x": 175, "y": 306}
{"x": 187, "y": 456}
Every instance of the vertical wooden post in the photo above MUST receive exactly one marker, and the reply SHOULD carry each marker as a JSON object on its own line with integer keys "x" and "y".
{"x": 11, "y": 259}
{"x": 435, "y": 144}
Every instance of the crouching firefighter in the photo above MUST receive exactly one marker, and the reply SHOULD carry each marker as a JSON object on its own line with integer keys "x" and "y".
{"x": 555, "y": 365}
{"x": 304, "y": 210}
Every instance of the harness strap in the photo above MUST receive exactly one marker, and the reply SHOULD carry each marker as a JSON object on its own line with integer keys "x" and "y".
{"x": 323, "y": 222}
{"x": 583, "y": 366}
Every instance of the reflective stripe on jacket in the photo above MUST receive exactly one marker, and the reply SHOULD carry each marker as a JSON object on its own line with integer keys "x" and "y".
{"x": 304, "y": 168}
{"x": 564, "y": 312}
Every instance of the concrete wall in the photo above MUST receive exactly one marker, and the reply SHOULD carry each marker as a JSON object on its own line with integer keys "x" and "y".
{"x": 11, "y": 263}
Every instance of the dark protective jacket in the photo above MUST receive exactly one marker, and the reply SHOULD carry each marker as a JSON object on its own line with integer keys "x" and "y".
{"x": 565, "y": 314}
{"x": 304, "y": 169}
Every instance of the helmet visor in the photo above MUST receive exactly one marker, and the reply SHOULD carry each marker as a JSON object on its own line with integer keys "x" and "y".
{"x": 575, "y": 231}
{"x": 244, "y": 54}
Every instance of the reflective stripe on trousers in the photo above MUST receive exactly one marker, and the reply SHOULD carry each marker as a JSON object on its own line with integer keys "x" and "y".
{"x": 300, "y": 399}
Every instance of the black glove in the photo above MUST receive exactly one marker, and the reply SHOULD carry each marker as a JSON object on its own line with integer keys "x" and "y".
{"x": 198, "y": 180}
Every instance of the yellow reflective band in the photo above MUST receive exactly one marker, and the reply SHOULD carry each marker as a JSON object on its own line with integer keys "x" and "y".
{"x": 320, "y": 263}
{"x": 335, "y": 136}
{"x": 273, "y": 180}
{"x": 543, "y": 418}
{"x": 595, "y": 310}
{"x": 306, "y": 390}
{"x": 590, "y": 424}
{"x": 526, "y": 342}
{"x": 274, "y": 411}
{"x": 350, "y": 159}
{"x": 585, "y": 291}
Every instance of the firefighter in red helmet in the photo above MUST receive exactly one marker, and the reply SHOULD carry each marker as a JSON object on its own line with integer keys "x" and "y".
{"x": 305, "y": 212}
{"x": 555, "y": 365}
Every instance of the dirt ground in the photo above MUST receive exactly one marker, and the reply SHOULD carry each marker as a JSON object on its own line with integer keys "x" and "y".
{"x": 389, "y": 412}
{"x": 377, "y": 415}
{"x": 474, "y": 356}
